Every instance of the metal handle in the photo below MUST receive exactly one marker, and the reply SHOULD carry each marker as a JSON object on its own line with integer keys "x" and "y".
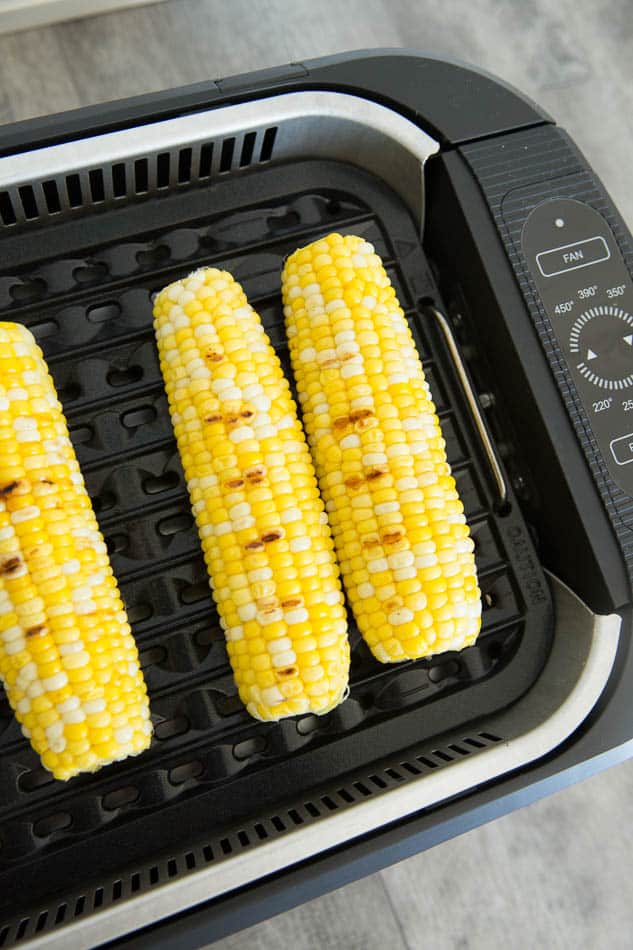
{"x": 473, "y": 405}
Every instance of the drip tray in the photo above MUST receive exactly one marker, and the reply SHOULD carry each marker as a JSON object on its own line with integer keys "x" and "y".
{"x": 216, "y": 782}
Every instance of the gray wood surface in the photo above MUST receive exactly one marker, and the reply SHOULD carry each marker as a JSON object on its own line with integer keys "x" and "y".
{"x": 557, "y": 874}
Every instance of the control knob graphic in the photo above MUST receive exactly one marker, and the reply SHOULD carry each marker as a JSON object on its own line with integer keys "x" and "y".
{"x": 601, "y": 339}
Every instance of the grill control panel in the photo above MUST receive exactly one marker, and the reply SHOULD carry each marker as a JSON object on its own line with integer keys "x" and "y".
{"x": 588, "y": 295}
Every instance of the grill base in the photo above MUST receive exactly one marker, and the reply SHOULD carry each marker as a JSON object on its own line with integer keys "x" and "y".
{"x": 215, "y": 781}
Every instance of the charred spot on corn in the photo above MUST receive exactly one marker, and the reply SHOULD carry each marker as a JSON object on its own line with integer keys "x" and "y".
{"x": 256, "y": 545}
{"x": 256, "y": 474}
{"x": 392, "y": 537}
{"x": 39, "y": 630}
{"x": 18, "y": 486}
{"x": 11, "y": 566}
{"x": 376, "y": 473}
{"x": 273, "y": 536}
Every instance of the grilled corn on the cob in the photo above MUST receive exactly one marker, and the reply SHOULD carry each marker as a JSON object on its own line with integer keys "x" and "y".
{"x": 68, "y": 659}
{"x": 403, "y": 544}
{"x": 264, "y": 533}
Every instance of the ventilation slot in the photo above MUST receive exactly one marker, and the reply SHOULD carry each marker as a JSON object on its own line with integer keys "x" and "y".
{"x": 118, "y": 180}
{"x": 162, "y": 170}
{"x": 140, "y": 176}
{"x": 51, "y": 196}
{"x": 260, "y": 831}
{"x": 7, "y": 212}
{"x": 184, "y": 166}
{"x": 97, "y": 187}
{"x": 248, "y": 145}
{"x": 345, "y": 795}
{"x": 268, "y": 144}
{"x": 206, "y": 158}
{"x": 226, "y": 157}
{"x": 27, "y": 197}
{"x": 73, "y": 190}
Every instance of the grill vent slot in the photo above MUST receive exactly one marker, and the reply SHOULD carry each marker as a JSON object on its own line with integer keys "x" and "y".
{"x": 138, "y": 177}
{"x": 376, "y": 783}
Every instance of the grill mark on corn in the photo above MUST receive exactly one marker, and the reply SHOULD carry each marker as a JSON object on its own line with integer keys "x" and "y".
{"x": 39, "y": 630}
{"x": 292, "y": 602}
{"x": 376, "y": 473}
{"x": 392, "y": 537}
{"x": 271, "y": 536}
{"x": 234, "y": 483}
{"x": 341, "y": 424}
{"x": 289, "y": 671}
{"x": 255, "y": 475}
{"x": 373, "y": 541}
{"x": 16, "y": 487}
{"x": 354, "y": 481}
{"x": 359, "y": 415}
{"x": 213, "y": 417}
{"x": 11, "y": 566}
{"x": 254, "y": 545}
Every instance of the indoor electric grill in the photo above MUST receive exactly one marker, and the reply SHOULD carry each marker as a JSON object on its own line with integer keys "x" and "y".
{"x": 514, "y": 269}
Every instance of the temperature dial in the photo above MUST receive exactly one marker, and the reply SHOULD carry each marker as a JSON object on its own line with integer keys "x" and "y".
{"x": 601, "y": 341}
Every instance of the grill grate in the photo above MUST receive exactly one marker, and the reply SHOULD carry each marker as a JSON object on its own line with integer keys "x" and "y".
{"x": 211, "y": 768}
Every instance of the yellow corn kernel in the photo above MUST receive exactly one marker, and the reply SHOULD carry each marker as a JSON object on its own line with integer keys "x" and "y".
{"x": 254, "y": 496}
{"x": 398, "y": 525}
{"x": 56, "y": 584}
